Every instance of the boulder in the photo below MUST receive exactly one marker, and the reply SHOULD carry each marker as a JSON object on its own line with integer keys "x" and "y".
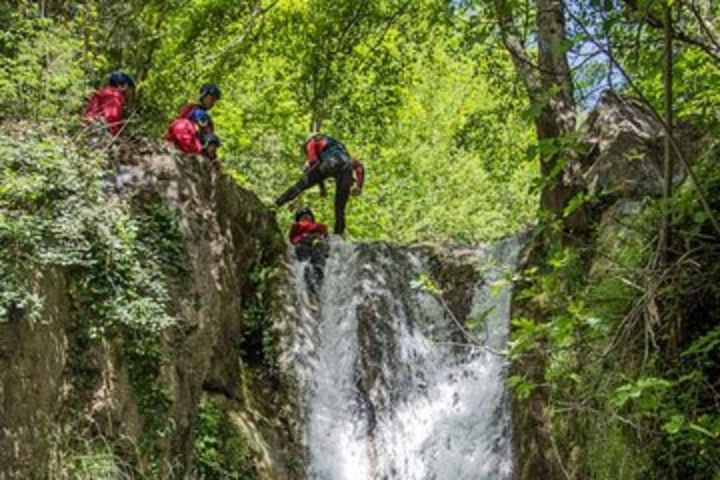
{"x": 621, "y": 145}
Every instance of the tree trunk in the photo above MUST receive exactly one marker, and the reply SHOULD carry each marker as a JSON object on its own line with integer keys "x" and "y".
{"x": 557, "y": 117}
{"x": 549, "y": 84}
{"x": 532, "y": 435}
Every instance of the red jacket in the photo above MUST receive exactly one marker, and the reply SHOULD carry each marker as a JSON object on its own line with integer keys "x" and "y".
{"x": 306, "y": 229}
{"x": 107, "y": 104}
{"x": 186, "y": 110}
{"x": 359, "y": 171}
{"x": 317, "y": 145}
{"x": 183, "y": 133}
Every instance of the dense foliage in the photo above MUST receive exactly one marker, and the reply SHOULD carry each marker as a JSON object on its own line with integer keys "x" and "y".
{"x": 221, "y": 452}
{"x": 451, "y": 119}
{"x": 623, "y": 325}
{"x": 631, "y": 347}
{"x": 56, "y": 217}
{"x": 404, "y": 86}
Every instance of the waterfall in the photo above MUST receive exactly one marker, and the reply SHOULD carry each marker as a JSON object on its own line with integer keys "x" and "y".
{"x": 390, "y": 386}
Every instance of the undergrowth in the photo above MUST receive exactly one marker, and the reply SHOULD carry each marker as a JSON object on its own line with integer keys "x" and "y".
{"x": 631, "y": 342}
{"x": 57, "y": 213}
{"x": 221, "y": 451}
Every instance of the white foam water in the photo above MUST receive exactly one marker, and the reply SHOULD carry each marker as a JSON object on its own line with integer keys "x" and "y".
{"x": 391, "y": 388}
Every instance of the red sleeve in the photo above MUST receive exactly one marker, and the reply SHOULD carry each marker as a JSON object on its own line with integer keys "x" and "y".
{"x": 185, "y": 110}
{"x": 113, "y": 112}
{"x": 196, "y": 144}
{"x": 314, "y": 148}
{"x": 188, "y": 140}
{"x": 182, "y": 133}
{"x": 359, "y": 173}
{"x": 310, "y": 153}
{"x": 93, "y": 107}
{"x": 295, "y": 232}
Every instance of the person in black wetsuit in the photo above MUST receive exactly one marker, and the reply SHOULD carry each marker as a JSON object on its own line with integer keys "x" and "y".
{"x": 327, "y": 158}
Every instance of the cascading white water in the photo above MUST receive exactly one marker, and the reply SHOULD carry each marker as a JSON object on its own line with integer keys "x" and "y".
{"x": 391, "y": 388}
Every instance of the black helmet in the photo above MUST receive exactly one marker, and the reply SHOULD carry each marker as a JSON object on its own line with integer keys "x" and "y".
{"x": 303, "y": 211}
{"x": 208, "y": 139}
{"x": 210, "y": 89}
{"x": 121, "y": 79}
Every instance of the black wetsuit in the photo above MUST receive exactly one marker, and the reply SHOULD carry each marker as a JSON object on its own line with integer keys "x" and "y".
{"x": 333, "y": 162}
{"x": 314, "y": 251}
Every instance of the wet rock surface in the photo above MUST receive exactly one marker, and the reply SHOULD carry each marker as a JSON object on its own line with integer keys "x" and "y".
{"x": 227, "y": 236}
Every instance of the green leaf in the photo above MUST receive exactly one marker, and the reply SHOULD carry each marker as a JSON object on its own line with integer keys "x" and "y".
{"x": 424, "y": 282}
{"x": 643, "y": 387}
{"x": 521, "y": 386}
{"x": 700, "y": 217}
{"x": 575, "y": 203}
{"x": 704, "y": 431}
{"x": 674, "y": 425}
{"x": 705, "y": 344}
{"x": 478, "y": 320}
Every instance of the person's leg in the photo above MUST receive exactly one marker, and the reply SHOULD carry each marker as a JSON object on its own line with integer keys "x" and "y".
{"x": 317, "y": 260}
{"x": 311, "y": 177}
{"x": 303, "y": 251}
{"x": 311, "y": 281}
{"x": 343, "y": 184}
{"x": 321, "y": 250}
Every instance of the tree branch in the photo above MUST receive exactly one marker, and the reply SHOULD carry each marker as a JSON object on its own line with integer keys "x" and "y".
{"x": 677, "y": 34}
{"x": 703, "y": 26}
{"x": 257, "y": 11}
{"x": 664, "y": 238}
{"x": 511, "y": 39}
{"x": 391, "y": 21}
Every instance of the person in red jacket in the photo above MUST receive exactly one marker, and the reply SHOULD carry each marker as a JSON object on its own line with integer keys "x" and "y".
{"x": 305, "y": 229}
{"x": 327, "y": 158}
{"x": 308, "y": 237}
{"x": 209, "y": 95}
{"x": 185, "y": 133}
{"x": 108, "y": 103}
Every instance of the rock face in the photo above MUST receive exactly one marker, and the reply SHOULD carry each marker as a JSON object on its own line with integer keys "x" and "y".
{"x": 32, "y": 361}
{"x": 624, "y": 142}
{"x": 60, "y": 386}
{"x": 621, "y": 149}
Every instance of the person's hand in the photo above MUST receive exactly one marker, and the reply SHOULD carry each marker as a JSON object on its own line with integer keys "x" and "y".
{"x": 355, "y": 191}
